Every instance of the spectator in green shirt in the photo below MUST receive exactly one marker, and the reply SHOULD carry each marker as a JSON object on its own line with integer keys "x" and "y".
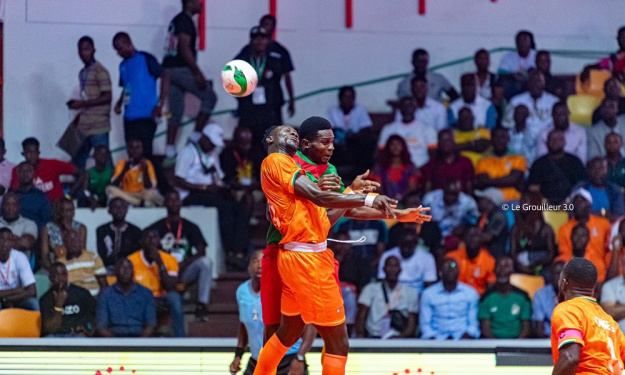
{"x": 504, "y": 311}
{"x": 616, "y": 163}
{"x": 99, "y": 177}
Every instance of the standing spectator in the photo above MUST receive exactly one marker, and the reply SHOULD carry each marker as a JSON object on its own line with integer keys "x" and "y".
{"x": 607, "y": 198}
{"x": 523, "y": 138}
{"x": 118, "y": 238}
{"x": 611, "y": 122}
{"x": 505, "y": 311}
{"x": 67, "y": 310}
{"x": 476, "y": 264}
{"x": 395, "y": 172}
{"x": 47, "y": 172}
{"x": 6, "y": 167}
{"x": 418, "y": 268}
{"x": 437, "y": 83}
{"x": 348, "y": 118}
{"x": 199, "y": 180}
{"x": 613, "y": 296}
{"x": 420, "y": 138}
{"x": 545, "y": 300}
{"x": 447, "y": 163}
{"x": 501, "y": 170}
{"x": 575, "y": 135}
{"x": 52, "y": 244}
{"x": 94, "y": 105}
{"x": 615, "y": 62}
{"x": 539, "y": 102}
{"x": 612, "y": 91}
{"x": 555, "y": 174}
{"x": 493, "y": 220}
{"x": 616, "y": 162}
{"x": 472, "y": 142}
{"x": 84, "y": 268}
{"x": 98, "y": 178}
{"x": 179, "y": 238}
{"x": 353, "y": 269}
{"x": 135, "y": 180}
{"x": 429, "y": 111}
{"x": 523, "y": 59}
{"x": 543, "y": 64}
{"x": 126, "y": 309}
{"x": 34, "y": 203}
{"x": 24, "y": 230}
{"x": 484, "y": 113}
{"x": 158, "y": 271}
{"x": 449, "y": 308}
{"x": 483, "y": 77}
{"x": 379, "y": 301}
{"x": 450, "y": 207}
{"x": 185, "y": 77}
{"x": 138, "y": 73}
{"x": 17, "y": 284}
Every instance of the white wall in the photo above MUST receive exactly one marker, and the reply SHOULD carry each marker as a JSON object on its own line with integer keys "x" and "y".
{"x": 41, "y": 62}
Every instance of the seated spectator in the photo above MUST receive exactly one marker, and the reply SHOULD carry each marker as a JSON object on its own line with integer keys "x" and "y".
{"x": 613, "y": 296}
{"x": 543, "y": 64}
{"x": 375, "y": 232}
{"x": 448, "y": 309}
{"x": 118, "y": 238}
{"x": 127, "y": 308}
{"x": 532, "y": 240}
{"x": 158, "y": 271}
{"x": 614, "y": 63}
{"x": 98, "y": 178}
{"x": 450, "y": 207}
{"x": 483, "y": 111}
{"x": 47, "y": 172}
{"x": 353, "y": 269}
{"x": 476, "y": 264}
{"x": 67, "y": 310}
{"x": 429, "y": 232}
{"x": 539, "y": 103}
{"x": 598, "y": 227}
{"x": 437, "y": 83}
{"x": 24, "y": 230}
{"x": 472, "y": 142}
{"x": 580, "y": 238}
{"x": 505, "y": 311}
{"x": 523, "y": 59}
{"x": 614, "y": 156}
{"x": 493, "y": 220}
{"x": 6, "y": 169}
{"x": 184, "y": 241}
{"x": 418, "y": 268}
{"x": 380, "y": 301}
{"x": 499, "y": 100}
{"x": 198, "y": 177}
{"x": 52, "y": 246}
{"x": 84, "y": 268}
{"x": 545, "y": 300}
{"x": 607, "y": 198}
{"x": 135, "y": 180}
{"x": 575, "y": 135}
{"x": 501, "y": 170}
{"x": 523, "y": 139}
{"x": 555, "y": 174}
{"x": 429, "y": 111}
{"x": 17, "y": 284}
{"x": 611, "y": 122}
{"x": 484, "y": 78}
{"x": 446, "y": 163}
{"x": 612, "y": 91}
{"x": 34, "y": 203}
{"x": 395, "y": 172}
{"x": 420, "y": 138}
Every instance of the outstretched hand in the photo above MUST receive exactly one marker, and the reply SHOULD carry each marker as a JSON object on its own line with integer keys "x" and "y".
{"x": 413, "y": 215}
{"x": 362, "y": 185}
{"x": 385, "y": 205}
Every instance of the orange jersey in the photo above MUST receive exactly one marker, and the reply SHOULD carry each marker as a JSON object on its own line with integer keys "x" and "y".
{"x": 497, "y": 167}
{"x": 476, "y": 272}
{"x": 296, "y": 218}
{"x": 582, "y": 321}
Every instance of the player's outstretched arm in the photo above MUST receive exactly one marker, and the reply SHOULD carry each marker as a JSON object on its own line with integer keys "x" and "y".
{"x": 408, "y": 215}
{"x": 568, "y": 360}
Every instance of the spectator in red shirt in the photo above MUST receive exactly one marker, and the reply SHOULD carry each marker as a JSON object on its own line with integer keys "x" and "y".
{"x": 396, "y": 172}
{"x": 47, "y": 171}
{"x": 446, "y": 164}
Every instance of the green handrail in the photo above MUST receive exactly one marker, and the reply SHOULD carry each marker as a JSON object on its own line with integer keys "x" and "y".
{"x": 563, "y": 53}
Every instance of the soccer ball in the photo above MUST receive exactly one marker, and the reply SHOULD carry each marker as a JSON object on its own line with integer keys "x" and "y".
{"x": 239, "y": 78}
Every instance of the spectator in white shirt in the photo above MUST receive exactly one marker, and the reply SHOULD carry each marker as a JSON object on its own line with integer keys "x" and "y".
{"x": 418, "y": 268}
{"x": 523, "y": 138}
{"x": 484, "y": 79}
{"x": 420, "y": 138}
{"x": 610, "y": 123}
{"x": 485, "y": 114}
{"x": 613, "y": 295}
{"x": 17, "y": 282}
{"x": 24, "y": 230}
{"x": 536, "y": 99}
{"x": 429, "y": 111}
{"x": 348, "y": 117}
{"x": 574, "y": 135}
{"x": 438, "y": 84}
{"x": 523, "y": 59}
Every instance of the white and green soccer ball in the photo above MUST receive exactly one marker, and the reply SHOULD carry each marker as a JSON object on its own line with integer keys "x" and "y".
{"x": 239, "y": 78}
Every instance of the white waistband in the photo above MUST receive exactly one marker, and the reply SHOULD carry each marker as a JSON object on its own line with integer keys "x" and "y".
{"x": 306, "y": 247}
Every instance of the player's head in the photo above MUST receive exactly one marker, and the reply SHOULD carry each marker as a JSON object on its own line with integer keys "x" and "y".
{"x": 254, "y": 268}
{"x": 578, "y": 278}
{"x": 317, "y": 139}
{"x": 283, "y": 138}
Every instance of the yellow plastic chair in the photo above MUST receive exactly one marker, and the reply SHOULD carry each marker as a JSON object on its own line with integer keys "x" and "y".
{"x": 582, "y": 108}
{"x": 555, "y": 219}
{"x": 528, "y": 283}
{"x": 594, "y": 85}
{"x": 20, "y": 323}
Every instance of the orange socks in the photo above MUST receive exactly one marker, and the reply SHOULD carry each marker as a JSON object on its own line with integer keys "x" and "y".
{"x": 334, "y": 364}
{"x": 270, "y": 356}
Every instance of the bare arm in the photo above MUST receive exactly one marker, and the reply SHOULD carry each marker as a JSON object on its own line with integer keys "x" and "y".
{"x": 411, "y": 326}
{"x": 45, "y": 248}
{"x": 164, "y": 92}
{"x": 539, "y": 329}
{"x": 105, "y": 332}
{"x": 361, "y": 317}
{"x": 568, "y": 360}
{"x": 514, "y": 179}
{"x": 242, "y": 341}
{"x": 147, "y": 331}
{"x": 182, "y": 183}
{"x": 479, "y": 145}
{"x": 525, "y": 329}
{"x": 19, "y": 294}
{"x": 25, "y": 242}
{"x": 81, "y": 178}
{"x": 614, "y": 309}
{"x": 184, "y": 48}
{"x": 487, "y": 333}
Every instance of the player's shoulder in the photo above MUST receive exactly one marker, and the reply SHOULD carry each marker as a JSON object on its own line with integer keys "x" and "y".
{"x": 277, "y": 157}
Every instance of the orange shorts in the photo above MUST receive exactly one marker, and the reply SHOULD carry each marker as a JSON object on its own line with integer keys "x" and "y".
{"x": 310, "y": 288}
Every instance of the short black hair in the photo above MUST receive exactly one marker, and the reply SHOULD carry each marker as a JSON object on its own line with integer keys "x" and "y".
{"x": 313, "y": 125}
{"x": 345, "y": 89}
{"x": 115, "y": 200}
{"x": 561, "y": 103}
{"x": 542, "y": 52}
{"x": 86, "y": 39}
{"x": 122, "y": 35}
{"x": 497, "y": 129}
{"x": 266, "y": 134}
{"x": 54, "y": 265}
{"x": 529, "y": 34}
{"x": 268, "y": 17}
{"x": 5, "y": 230}
{"x": 30, "y": 141}
{"x": 581, "y": 272}
{"x": 418, "y": 79}
{"x": 419, "y": 52}
{"x": 479, "y": 51}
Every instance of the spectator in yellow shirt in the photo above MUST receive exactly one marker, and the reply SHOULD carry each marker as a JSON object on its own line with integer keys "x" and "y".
{"x": 472, "y": 142}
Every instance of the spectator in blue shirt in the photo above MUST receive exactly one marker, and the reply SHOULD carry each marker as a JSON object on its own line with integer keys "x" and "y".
{"x": 126, "y": 309}
{"x": 607, "y": 198}
{"x": 545, "y": 300}
{"x": 34, "y": 203}
{"x": 449, "y": 308}
{"x": 138, "y": 73}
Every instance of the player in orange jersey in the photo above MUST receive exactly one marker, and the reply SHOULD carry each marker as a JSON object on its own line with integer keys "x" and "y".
{"x": 584, "y": 339}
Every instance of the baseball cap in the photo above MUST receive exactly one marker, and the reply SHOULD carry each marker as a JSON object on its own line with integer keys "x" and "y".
{"x": 258, "y": 30}
{"x": 583, "y": 193}
{"x": 215, "y": 133}
{"x": 495, "y": 195}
